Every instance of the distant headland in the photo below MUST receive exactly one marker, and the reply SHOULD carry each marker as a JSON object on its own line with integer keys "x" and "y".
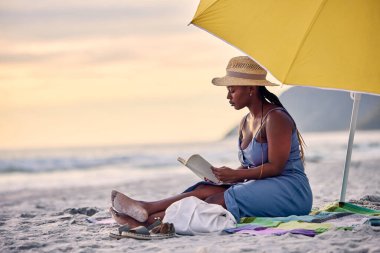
{"x": 320, "y": 110}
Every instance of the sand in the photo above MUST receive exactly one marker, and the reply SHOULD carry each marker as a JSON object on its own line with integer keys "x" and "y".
{"x": 47, "y": 212}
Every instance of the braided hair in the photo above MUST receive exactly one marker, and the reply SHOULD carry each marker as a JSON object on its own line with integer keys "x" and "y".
{"x": 268, "y": 96}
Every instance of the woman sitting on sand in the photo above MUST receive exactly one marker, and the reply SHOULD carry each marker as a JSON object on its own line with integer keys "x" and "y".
{"x": 270, "y": 181}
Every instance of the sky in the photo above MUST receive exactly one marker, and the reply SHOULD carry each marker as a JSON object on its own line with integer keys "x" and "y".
{"x": 109, "y": 72}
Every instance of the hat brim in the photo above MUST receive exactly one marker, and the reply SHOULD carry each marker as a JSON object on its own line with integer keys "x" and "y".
{"x": 235, "y": 81}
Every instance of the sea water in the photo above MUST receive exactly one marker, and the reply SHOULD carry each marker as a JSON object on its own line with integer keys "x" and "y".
{"x": 112, "y": 167}
{"x": 319, "y": 147}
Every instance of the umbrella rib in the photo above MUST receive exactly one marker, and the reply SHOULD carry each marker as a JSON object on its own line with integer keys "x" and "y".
{"x": 304, "y": 37}
{"x": 208, "y": 7}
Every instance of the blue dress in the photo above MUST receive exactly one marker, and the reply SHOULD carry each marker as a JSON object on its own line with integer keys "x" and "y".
{"x": 280, "y": 196}
{"x": 283, "y": 195}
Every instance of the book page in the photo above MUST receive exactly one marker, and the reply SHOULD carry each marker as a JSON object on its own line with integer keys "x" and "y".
{"x": 200, "y": 166}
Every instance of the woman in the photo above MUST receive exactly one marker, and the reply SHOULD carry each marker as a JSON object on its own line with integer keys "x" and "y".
{"x": 270, "y": 181}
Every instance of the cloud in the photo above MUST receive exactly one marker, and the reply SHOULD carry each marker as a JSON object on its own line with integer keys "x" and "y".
{"x": 71, "y": 33}
{"x": 57, "y": 21}
{"x": 25, "y": 58}
{"x": 107, "y": 62}
{"x": 36, "y": 5}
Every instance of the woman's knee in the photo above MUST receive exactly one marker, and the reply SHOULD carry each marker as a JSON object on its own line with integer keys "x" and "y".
{"x": 208, "y": 187}
{"x": 202, "y": 187}
{"x": 204, "y": 191}
{"x": 217, "y": 198}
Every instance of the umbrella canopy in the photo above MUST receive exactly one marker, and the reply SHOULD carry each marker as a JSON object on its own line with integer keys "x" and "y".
{"x": 324, "y": 43}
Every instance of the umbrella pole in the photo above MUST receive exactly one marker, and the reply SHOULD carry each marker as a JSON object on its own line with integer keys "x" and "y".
{"x": 354, "y": 116}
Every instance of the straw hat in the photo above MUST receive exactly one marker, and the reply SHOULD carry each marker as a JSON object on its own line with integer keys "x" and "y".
{"x": 243, "y": 71}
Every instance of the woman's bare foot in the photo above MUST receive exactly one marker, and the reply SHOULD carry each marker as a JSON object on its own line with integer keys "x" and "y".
{"x": 123, "y": 219}
{"x": 132, "y": 208}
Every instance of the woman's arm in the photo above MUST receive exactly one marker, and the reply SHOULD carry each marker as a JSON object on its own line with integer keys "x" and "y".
{"x": 278, "y": 128}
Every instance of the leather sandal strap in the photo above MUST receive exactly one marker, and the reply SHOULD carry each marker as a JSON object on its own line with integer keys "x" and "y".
{"x": 154, "y": 224}
{"x": 140, "y": 230}
{"x": 124, "y": 228}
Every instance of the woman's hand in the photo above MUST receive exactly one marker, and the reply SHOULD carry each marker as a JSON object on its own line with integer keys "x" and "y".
{"x": 207, "y": 180}
{"x": 225, "y": 174}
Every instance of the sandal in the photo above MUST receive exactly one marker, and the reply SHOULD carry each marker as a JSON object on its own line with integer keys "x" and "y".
{"x": 157, "y": 230}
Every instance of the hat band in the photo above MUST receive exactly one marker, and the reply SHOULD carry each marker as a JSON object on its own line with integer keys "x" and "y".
{"x": 246, "y": 76}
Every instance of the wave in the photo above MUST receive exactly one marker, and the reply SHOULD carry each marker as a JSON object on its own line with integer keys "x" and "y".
{"x": 154, "y": 156}
{"x": 72, "y": 163}
{"x": 320, "y": 148}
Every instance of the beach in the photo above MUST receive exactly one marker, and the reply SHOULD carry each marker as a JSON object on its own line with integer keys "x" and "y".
{"x": 46, "y": 211}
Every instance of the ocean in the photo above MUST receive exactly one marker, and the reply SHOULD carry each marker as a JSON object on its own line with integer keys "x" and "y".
{"x": 321, "y": 147}
{"x": 102, "y": 169}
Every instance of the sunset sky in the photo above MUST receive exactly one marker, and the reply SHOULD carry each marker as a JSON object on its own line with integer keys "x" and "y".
{"x": 107, "y": 72}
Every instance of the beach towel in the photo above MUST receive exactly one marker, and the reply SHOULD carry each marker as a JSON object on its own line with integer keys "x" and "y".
{"x": 192, "y": 216}
{"x": 333, "y": 216}
{"x": 261, "y": 221}
{"x": 349, "y": 221}
{"x": 345, "y": 207}
{"x": 275, "y": 221}
{"x": 256, "y": 222}
{"x": 259, "y": 230}
{"x": 317, "y": 227}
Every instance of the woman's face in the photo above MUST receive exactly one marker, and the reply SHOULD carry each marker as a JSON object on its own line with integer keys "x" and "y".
{"x": 238, "y": 96}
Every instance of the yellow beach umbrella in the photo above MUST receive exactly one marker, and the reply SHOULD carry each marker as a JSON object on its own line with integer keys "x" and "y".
{"x": 331, "y": 44}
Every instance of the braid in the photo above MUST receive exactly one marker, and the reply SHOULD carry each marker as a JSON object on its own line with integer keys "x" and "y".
{"x": 268, "y": 96}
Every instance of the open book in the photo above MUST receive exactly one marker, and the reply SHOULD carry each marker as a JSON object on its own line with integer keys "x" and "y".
{"x": 200, "y": 166}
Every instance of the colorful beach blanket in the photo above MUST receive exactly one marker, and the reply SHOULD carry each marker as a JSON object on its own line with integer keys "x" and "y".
{"x": 345, "y": 207}
{"x": 336, "y": 215}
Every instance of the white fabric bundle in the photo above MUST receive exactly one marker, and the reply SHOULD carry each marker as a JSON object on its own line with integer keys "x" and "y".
{"x": 192, "y": 216}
